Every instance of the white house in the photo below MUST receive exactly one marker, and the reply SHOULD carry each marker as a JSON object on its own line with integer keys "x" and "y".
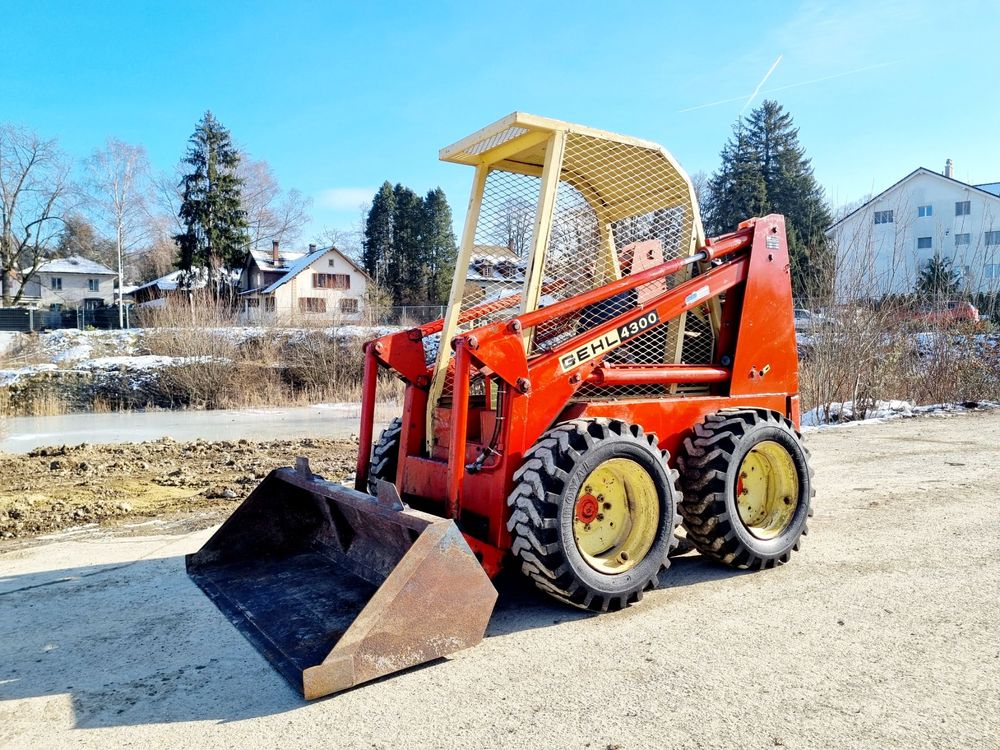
{"x": 882, "y": 244}
{"x": 70, "y": 283}
{"x": 322, "y": 283}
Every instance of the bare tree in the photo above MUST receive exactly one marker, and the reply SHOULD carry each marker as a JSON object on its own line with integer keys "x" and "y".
{"x": 119, "y": 194}
{"x": 699, "y": 181}
{"x": 272, "y": 213}
{"x": 34, "y": 183}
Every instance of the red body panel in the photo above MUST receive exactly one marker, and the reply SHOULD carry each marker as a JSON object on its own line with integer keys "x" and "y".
{"x": 467, "y": 478}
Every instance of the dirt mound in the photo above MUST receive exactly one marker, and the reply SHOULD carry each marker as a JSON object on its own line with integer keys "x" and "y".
{"x": 60, "y": 487}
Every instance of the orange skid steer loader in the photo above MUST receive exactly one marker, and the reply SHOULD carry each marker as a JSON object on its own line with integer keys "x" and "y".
{"x": 603, "y": 375}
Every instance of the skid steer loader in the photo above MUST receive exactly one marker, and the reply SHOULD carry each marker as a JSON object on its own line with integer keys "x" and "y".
{"x": 603, "y": 374}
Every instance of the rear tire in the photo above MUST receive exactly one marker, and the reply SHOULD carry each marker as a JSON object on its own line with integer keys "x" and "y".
{"x": 385, "y": 456}
{"x": 752, "y": 526}
{"x": 576, "y": 481}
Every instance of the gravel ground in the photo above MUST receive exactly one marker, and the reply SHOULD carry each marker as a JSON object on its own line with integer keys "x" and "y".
{"x": 882, "y": 633}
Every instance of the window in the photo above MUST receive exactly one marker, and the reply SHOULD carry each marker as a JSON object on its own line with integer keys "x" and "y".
{"x": 331, "y": 281}
{"x": 55, "y": 307}
{"x": 92, "y": 304}
{"x": 93, "y": 285}
{"x": 962, "y": 208}
{"x": 992, "y": 238}
{"x": 924, "y": 243}
{"x": 56, "y": 283}
{"x": 925, "y": 210}
{"x": 992, "y": 270}
{"x": 269, "y": 304}
{"x": 962, "y": 239}
{"x": 883, "y": 217}
{"x": 963, "y": 271}
{"x": 331, "y": 263}
{"x": 348, "y": 305}
{"x": 312, "y": 304}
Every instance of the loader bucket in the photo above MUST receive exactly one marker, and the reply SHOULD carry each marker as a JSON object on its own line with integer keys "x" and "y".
{"x": 336, "y": 587}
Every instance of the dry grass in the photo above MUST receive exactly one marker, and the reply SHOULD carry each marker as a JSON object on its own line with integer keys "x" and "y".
{"x": 868, "y": 353}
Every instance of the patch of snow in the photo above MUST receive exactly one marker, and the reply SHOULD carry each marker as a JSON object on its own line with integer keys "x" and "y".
{"x": 839, "y": 412}
{"x": 844, "y": 413}
{"x": 10, "y": 377}
{"x": 143, "y": 362}
{"x": 7, "y": 340}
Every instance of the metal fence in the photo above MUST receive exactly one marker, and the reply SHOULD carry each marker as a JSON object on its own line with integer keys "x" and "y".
{"x": 27, "y": 320}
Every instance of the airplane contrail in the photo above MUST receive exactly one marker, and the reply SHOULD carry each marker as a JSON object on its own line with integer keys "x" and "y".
{"x": 791, "y": 86}
{"x": 762, "y": 82}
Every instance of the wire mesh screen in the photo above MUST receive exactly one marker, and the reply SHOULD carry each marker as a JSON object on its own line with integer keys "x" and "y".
{"x": 619, "y": 209}
{"x": 618, "y": 212}
{"x": 498, "y": 263}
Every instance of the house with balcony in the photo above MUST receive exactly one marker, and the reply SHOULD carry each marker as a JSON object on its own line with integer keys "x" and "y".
{"x": 882, "y": 244}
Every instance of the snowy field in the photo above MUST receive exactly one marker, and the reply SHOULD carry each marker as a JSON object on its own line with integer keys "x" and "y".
{"x": 86, "y": 352}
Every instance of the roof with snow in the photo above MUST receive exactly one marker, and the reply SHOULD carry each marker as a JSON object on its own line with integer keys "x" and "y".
{"x": 169, "y": 283}
{"x": 75, "y": 264}
{"x": 265, "y": 259}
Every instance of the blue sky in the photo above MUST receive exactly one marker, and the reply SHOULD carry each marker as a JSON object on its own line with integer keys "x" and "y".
{"x": 339, "y": 97}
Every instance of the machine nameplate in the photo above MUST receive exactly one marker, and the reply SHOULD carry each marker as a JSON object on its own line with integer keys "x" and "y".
{"x": 608, "y": 341}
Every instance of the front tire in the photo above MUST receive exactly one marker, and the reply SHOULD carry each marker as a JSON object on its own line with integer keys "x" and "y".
{"x": 593, "y": 513}
{"x": 747, "y": 488}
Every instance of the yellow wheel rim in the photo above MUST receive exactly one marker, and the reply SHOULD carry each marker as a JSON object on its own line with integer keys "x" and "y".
{"x": 616, "y": 516}
{"x": 767, "y": 490}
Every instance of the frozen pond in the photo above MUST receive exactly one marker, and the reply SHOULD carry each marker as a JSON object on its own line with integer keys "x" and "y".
{"x": 23, "y": 434}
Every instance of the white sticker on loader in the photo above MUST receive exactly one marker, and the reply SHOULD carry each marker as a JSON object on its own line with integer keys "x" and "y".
{"x": 696, "y": 295}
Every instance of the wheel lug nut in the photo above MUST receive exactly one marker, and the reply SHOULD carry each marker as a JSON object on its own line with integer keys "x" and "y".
{"x": 607, "y": 506}
{"x": 600, "y": 516}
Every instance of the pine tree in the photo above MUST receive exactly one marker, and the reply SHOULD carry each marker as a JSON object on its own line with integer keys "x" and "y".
{"x": 377, "y": 252}
{"x": 409, "y": 246}
{"x": 938, "y": 279}
{"x": 765, "y": 170}
{"x": 737, "y": 191}
{"x": 215, "y": 236}
{"x": 440, "y": 249}
{"x": 409, "y": 276}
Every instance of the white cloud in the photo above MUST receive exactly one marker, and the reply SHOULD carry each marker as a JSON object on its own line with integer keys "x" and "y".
{"x": 344, "y": 199}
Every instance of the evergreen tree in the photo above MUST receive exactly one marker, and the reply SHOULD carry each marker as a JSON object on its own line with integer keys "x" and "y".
{"x": 440, "y": 249}
{"x": 215, "y": 236}
{"x": 409, "y": 274}
{"x": 409, "y": 248}
{"x": 765, "y": 170}
{"x": 377, "y": 248}
{"x": 737, "y": 191}
{"x": 938, "y": 279}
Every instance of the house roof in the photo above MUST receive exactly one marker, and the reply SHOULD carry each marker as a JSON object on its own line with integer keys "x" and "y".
{"x": 166, "y": 283}
{"x": 301, "y": 264}
{"x": 75, "y": 264}
{"x": 170, "y": 282}
{"x": 265, "y": 260}
{"x": 920, "y": 170}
